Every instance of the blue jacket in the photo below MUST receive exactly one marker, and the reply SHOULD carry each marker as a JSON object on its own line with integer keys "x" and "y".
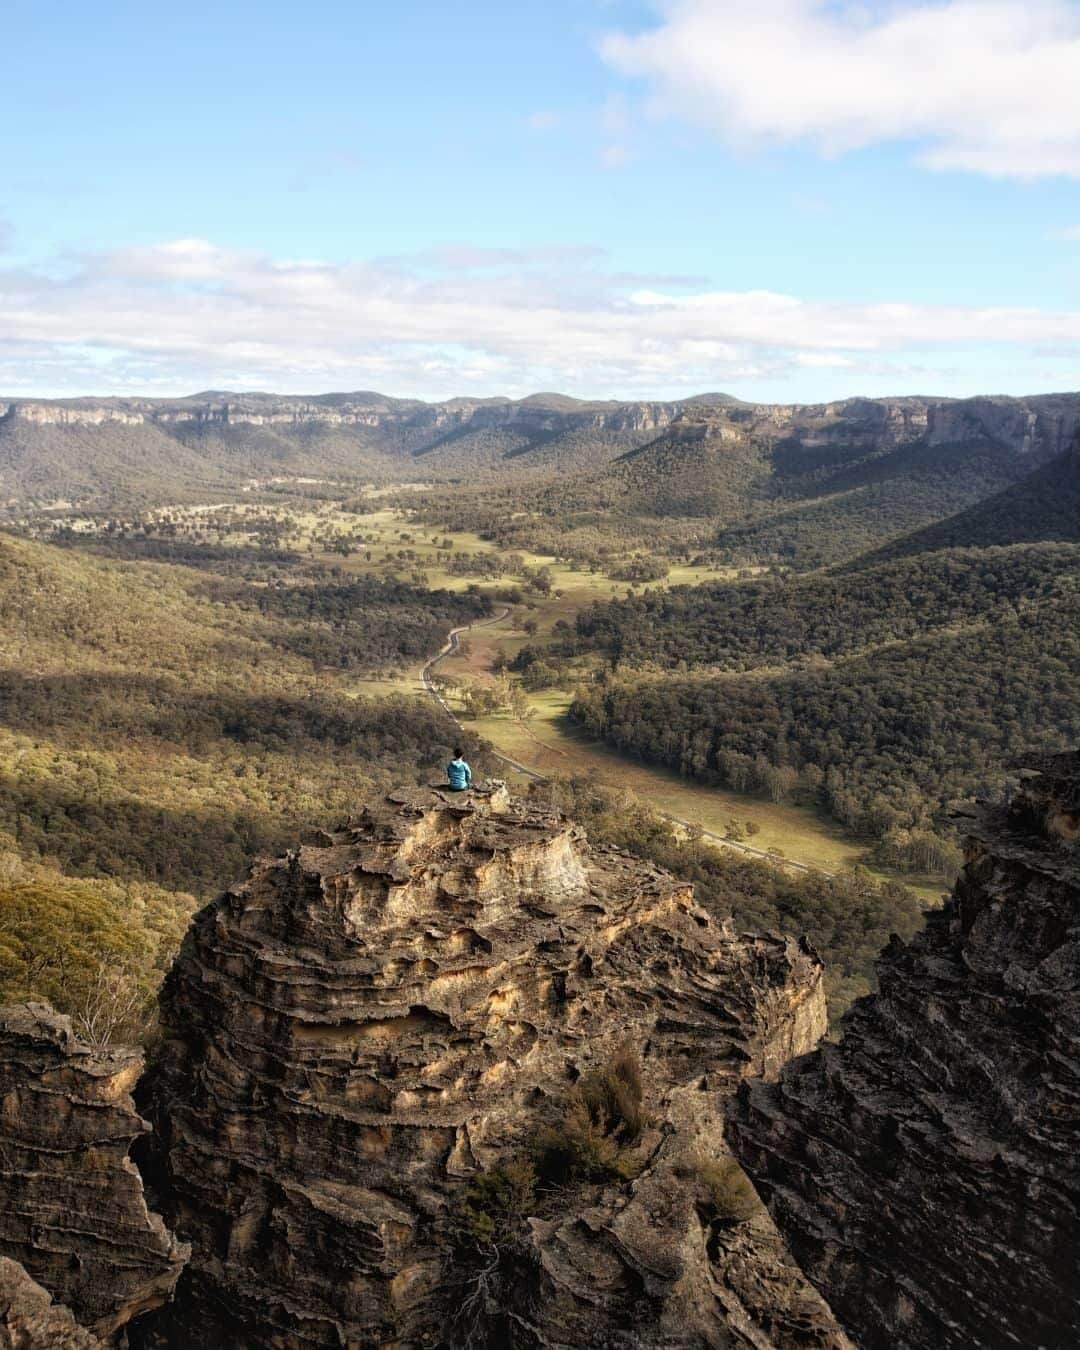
{"x": 459, "y": 774}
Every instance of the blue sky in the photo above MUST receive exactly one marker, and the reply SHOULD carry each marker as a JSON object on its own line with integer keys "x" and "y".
{"x": 785, "y": 199}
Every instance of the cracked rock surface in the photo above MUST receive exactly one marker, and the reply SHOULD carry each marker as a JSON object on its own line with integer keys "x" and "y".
{"x": 925, "y": 1171}
{"x": 72, "y": 1209}
{"x": 364, "y": 1026}
{"x": 30, "y": 1320}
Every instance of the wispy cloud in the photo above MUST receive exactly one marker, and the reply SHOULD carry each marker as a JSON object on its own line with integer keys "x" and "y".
{"x": 188, "y": 313}
{"x": 1069, "y": 234}
{"x": 987, "y": 86}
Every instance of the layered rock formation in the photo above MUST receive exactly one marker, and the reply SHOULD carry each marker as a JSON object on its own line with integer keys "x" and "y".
{"x": 30, "y": 1320}
{"x": 72, "y": 1210}
{"x": 926, "y": 1170}
{"x": 365, "y": 1029}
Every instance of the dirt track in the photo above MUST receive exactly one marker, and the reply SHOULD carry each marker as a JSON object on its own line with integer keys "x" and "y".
{"x": 451, "y": 646}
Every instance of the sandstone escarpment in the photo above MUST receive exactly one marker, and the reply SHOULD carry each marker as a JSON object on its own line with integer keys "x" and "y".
{"x": 926, "y": 1170}
{"x": 30, "y": 1320}
{"x": 72, "y": 1210}
{"x": 367, "y": 1028}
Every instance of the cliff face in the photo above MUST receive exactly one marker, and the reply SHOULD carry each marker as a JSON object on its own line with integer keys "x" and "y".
{"x": 926, "y": 1170}
{"x": 76, "y": 446}
{"x": 72, "y": 1211}
{"x": 30, "y": 1320}
{"x": 1042, "y": 426}
{"x": 373, "y": 411}
{"x": 369, "y": 1030}
{"x": 1037, "y": 428}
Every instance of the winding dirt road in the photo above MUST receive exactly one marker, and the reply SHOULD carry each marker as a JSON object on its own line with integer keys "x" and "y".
{"x": 450, "y": 647}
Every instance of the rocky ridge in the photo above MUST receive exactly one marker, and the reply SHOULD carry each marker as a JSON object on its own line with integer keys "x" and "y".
{"x": 925, "y": 1171}
{"x": 1042, "y": 425}
{"x": 72, "y": 1211}
{"x": 88, "y": 449}
{"x": 371, "y": 1026}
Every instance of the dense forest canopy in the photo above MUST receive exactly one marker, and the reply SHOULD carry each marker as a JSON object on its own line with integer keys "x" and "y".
{"x": 882, "y": 741}
{"x": 764, "y": 623}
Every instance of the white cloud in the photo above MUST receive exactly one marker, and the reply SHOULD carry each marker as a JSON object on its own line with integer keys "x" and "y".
{"x": 186, "y": 314}
{"x": 1069, "y": 234}
{"x": 989, "y": 86}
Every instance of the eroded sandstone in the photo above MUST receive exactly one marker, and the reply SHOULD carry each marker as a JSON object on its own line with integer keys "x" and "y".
{"x": 72, "y": 1209}
{"x": 926, "y": 1170}
{"x": 30, "y": 1320}
{"x": 364, "y": 1027}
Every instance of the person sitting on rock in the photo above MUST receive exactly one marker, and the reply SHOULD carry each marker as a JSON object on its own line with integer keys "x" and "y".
{"x": 458, "y": 772}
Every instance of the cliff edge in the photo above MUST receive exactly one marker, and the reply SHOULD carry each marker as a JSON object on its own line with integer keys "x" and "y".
{"x": 925, "y": 1171}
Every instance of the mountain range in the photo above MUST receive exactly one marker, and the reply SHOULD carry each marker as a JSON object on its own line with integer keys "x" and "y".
{"x": 111, "y": 451}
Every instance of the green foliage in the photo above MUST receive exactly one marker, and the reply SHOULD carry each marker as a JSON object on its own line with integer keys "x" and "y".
{"x": 597, "y": 1123}
{"x": 1045, "y": 505}
{"x": 745, "y": 625}
{"x": 639, "y": 569}
{"x": 821, "y": 514}
{"x": 493, "y": 1202}
{"x": 93, "y": 949}
{"x": 883, "y": 741}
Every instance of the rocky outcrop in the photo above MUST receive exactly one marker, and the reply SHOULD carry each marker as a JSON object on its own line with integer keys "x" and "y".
{"x": 368, "y": 1027}
{"x": 1037, "y": 428}
{"x": 30, "y": 1320}
{"x": 926, "y": 1170}
{"x": 72, "y": 1210}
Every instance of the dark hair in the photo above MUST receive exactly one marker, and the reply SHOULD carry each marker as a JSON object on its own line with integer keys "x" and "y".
{"x": 459, "y": 753}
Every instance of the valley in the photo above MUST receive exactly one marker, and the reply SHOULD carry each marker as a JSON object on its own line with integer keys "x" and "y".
{"x": 540, "y": 677}
{"x": 769, "y": 649}
{"x": 387, "y": 543}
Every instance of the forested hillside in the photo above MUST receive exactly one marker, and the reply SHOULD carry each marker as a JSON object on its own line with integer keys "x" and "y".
{"x": 1043, "y": 505}
{"x": 882, "y": 741}
{"x": 710, "y": 455}
{"x": 816, "y": 519}
{"x": 722, "y": 484}
{"x": 780, "y": 619}
{"x": 159, "y": 730}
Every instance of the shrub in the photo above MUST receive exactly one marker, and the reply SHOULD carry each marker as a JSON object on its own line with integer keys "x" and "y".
{"x": 494, "y": 1201}
{"x": 727, "y": 1189}
{"x": 600, "y": 1120}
